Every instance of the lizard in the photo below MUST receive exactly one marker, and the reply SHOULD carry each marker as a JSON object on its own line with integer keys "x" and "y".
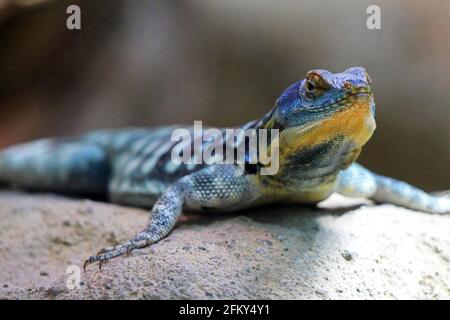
{"x": 323, "y": 121}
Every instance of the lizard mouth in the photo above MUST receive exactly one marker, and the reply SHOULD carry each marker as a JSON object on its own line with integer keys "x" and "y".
{"x": 360, "y": 96}
{"x": 360, "y": 91}
{"x": 357, "y": 94}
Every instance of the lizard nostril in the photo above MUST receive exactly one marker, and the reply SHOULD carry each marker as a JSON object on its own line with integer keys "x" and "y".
{"x": 347, "y": 84}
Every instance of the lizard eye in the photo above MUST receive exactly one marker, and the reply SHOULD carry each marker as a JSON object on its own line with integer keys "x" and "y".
{"x": 310, "y": 85}
{"x": 315, "y": 86}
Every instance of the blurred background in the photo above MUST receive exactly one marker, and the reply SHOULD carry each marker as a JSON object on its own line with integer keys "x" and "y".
{"x": 148, "y": 63}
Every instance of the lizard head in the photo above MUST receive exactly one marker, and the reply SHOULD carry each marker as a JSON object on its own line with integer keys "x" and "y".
{"x": 323, "y": 121}
{"x": 326, "y": 105}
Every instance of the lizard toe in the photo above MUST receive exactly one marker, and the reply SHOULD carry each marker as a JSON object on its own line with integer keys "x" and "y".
{"x": 105, "y": 255}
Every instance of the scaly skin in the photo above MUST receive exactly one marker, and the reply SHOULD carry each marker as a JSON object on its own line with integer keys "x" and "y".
{"x": 324, "y": 121}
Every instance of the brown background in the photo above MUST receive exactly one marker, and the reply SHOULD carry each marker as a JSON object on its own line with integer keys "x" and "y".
{"x": 146, "y": 63}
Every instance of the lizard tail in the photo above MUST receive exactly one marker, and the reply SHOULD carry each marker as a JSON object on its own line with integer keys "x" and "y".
{"x": 403, "y": 194}
{"x": 21, "y": 164}
{"x": 55, "y": 165}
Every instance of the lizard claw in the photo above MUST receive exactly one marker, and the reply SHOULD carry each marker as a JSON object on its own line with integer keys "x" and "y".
{"x": 101, "y": 262}
{"x": 85, "y": 264}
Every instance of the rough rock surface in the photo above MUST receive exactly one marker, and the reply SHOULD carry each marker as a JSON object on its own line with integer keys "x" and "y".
{"x": 345, "y": 249}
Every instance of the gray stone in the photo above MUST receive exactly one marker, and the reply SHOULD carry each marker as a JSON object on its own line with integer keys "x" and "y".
{"x": 342, "y": 250}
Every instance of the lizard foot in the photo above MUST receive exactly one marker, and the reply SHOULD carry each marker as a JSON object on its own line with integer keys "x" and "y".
{"x": 106, "y": 254}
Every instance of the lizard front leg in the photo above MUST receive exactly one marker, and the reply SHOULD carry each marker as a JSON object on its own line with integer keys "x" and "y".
{"x": 357, "y": 181}
{"x": 215, "y": 187}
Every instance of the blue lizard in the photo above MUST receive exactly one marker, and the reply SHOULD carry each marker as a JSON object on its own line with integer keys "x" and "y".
{"x": 323, "y": 122}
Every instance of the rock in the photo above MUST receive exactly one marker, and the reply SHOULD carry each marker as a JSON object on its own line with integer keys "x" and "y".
{"x": 342, "y": 250}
